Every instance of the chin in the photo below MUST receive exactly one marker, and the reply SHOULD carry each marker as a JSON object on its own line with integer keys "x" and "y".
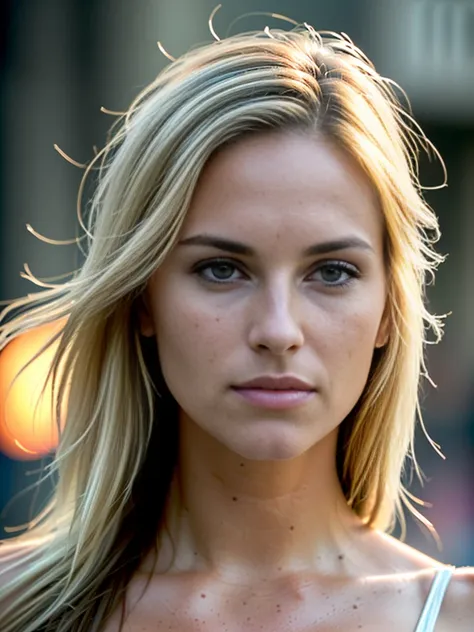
{"x": 273, "y": 446}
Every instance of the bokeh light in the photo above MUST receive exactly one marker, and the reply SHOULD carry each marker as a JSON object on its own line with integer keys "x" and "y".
{"x": 27, "y": 426}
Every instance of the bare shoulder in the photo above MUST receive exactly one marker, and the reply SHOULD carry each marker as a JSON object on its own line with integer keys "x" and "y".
{"x": 457, "y": 612}
{"x": 403, "y": 557}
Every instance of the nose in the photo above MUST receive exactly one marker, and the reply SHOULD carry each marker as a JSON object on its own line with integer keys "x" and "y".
{"x": 276, "y": 326}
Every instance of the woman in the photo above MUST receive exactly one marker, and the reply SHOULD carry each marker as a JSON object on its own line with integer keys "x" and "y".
{"x": 241, "y": 357}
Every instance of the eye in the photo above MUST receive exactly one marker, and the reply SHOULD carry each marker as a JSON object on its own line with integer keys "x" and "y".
{"x": 337, "y": 273}
{"x": 217, "y": 271}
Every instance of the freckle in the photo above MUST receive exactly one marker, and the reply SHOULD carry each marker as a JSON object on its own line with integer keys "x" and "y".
{"x": 249, "y": 618}
{"x": 355, "y": 606}
{"x": 234, "y": 498}
{"x": 399, "y": 591}
{"x": 341, "y": 557}
{"x": 242, "y": 464}
{"x": 203, "y": 596}
{"x": 292, "y": 528}
{"x": 244, "y": 603}
{"x": 218, "y": 320}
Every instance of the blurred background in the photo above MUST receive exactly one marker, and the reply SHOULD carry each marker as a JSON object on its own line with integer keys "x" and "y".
{"x": 61, "y": 60}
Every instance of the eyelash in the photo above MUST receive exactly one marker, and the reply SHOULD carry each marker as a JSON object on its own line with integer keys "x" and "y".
{"x": 338, "y": 265}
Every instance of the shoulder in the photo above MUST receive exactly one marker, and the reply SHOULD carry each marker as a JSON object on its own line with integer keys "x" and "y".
{"x": 457, "y": 612}
{"x": 403, "y": 557}
{"x": 457, "y": 609}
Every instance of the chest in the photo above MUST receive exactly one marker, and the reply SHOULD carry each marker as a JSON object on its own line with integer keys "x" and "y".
{"x": 163, "y": 622}
{"x": 369, "y": 607}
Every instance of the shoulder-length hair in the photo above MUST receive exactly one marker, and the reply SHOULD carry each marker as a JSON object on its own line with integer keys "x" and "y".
{"x": 120, "y": 440}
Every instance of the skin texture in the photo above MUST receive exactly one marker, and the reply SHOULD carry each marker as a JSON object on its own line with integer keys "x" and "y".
{"x": 258, "y": 522}
{"x": 279, "y": 312}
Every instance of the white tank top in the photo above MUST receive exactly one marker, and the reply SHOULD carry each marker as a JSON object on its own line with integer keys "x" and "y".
{"x": 429, "y": 615}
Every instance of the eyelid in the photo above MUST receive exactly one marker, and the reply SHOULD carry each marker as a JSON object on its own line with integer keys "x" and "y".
{"x": 216, "y": 260}
{"x": 334, "y": 261}
{"x": 238, "y": 262}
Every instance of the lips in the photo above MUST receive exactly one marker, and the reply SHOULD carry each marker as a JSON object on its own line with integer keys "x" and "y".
{"x": 279, "y": 398}
{"x": 276, "y": 391}
{"x": 276, "y": 383}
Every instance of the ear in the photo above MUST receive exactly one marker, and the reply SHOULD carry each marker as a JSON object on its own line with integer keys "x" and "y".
{"x": 145, "y": 318}
{"x": 383, "y": 333}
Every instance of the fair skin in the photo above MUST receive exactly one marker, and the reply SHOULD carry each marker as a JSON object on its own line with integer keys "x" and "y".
{"x": 277, "y": 314}
{"x": 263, "y": 538}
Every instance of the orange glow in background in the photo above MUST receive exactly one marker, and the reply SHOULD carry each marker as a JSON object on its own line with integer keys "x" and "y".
{"x": 27, "y": 427}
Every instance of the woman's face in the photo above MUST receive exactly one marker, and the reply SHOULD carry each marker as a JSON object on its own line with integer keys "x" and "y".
{"x": 290, "y": 281}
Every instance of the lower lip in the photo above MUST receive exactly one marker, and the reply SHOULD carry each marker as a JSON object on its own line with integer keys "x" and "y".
{"x": 274, "y": 399}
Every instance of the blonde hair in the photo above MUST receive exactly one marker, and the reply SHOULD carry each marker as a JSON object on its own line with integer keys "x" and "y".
{"x": 119, "y": 439}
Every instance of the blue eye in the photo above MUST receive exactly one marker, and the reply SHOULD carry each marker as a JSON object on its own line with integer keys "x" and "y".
{"x": 337, "y": 273}
{"x": 332, "y": 274}
{"x": 222, "y": 270}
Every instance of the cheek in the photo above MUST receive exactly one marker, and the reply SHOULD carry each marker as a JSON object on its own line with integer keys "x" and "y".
{"x": 192, "y": 343}
{"x": 348, "y": 347}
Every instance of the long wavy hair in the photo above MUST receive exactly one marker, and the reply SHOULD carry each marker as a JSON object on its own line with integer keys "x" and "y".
{"x": 120, "y": 440}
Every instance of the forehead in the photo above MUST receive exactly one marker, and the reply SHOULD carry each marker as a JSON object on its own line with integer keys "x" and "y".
{"x": 290, "y": 184}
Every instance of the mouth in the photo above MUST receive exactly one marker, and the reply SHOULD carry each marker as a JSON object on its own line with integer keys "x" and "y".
{"x": 276, "y": 399}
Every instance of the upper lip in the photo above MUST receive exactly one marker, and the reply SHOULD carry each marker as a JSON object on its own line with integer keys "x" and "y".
{"x": 277, "y": 382}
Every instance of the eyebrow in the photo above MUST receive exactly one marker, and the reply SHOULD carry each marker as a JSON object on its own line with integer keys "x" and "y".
{"x": 239, "y": 248}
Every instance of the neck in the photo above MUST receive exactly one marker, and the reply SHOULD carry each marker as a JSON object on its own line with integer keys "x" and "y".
{"x": 259, "y": 518}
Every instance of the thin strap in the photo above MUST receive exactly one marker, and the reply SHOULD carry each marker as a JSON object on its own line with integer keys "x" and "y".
{"x": 429, "y": 615}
